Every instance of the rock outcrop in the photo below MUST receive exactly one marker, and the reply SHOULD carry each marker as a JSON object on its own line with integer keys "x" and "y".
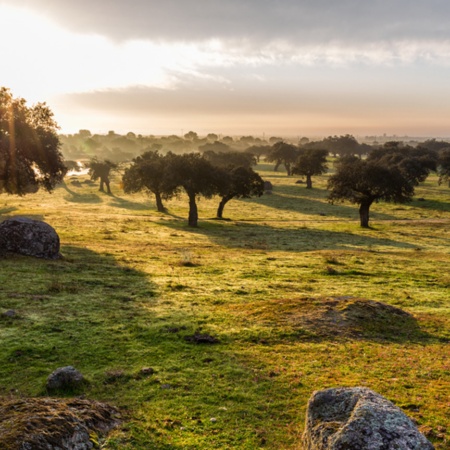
{"x": 358, "y": 418}
{"x": 29, "y": 237}
{"x": 50, "y": 423}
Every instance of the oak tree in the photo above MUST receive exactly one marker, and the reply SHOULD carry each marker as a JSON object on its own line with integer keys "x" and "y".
{"x": 30, "y": 155}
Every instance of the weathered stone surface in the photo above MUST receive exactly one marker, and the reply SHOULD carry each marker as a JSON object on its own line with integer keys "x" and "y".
{"x": 358, "y": 418}
{"x": 64, "y": 378}
{"x": 54, "y": 424}
{"x": 29, "y": 237}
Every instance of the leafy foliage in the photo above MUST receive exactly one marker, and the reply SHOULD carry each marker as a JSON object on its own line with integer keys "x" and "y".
{"x": 149, "y": 172}
{"x": 198, "y": 177}
{"x": 283, "y": 153}
{"x": 101, "y": 169}
{"x": 243, "y": 182}
{"x": 311, "y": 162}
{"x": 365, "y": 182}
{"x": 29, "y": 147}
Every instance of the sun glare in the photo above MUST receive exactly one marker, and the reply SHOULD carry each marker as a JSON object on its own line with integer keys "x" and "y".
{"x": 41, "y": 59}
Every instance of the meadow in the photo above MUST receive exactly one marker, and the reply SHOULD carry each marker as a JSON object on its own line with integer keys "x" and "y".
{"x": 277, "y": 284}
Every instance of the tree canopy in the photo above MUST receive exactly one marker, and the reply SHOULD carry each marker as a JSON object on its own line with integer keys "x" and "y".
{"x": 241, "y": 182}
{"x": 198, "y": 177}
{"x": 101, "y": 169}
{"x": 283, "y": 153}
{"x": 366, "y": 182}
{"x": 443, "y": 164}
{"x": 311, "y": 162}
{"x": 29, "y": 147}
{"x": 150, "y": 172}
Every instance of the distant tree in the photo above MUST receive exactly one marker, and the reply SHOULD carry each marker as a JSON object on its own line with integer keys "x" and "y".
{"x": 212, "y": 137}
{"x": 231, "y": 159}
{"x": 214, "y": 147}
{"x": 311, "y": 162}
{"x": 275, "y": 139}
{"x": 84, "y": 133}
{"x": 101, "y": 169}
{"x": 149, "y": 172}
{"x": 444, "y": 165}
{"x": 29, "y": 147}
{"x": 433, "y": 144}
{"x": 365, "y": 182}
{"x": 191, "y": 135}
{"x": 228, "y": 140}
{"x": 283, "y": 153}
{"x": 198, "y": 177}
{"x": 341, "y": 145}
{"x": 303, "y": 141}
{"x": 242, "y": 182}
{"x": 258, "y": 150}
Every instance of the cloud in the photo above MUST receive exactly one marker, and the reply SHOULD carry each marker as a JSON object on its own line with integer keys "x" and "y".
{"x": 257, "y": 22}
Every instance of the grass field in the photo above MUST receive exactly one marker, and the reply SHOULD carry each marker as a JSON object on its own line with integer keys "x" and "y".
{"x": 277, "y": 284}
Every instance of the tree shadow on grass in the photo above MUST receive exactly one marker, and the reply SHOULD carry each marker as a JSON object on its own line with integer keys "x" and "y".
{"x": 7, "y": 210}
{"x": 107, "y": 320}
{"x": 75, "y": 197}
{"x": 312, "y": 202}
{"x": 119, "y": 202}
{"x": 435, "y": 205}
{"x": 272, "y": 238}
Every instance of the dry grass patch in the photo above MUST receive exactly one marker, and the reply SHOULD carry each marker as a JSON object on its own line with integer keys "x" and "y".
{"x": 332, "y": 318}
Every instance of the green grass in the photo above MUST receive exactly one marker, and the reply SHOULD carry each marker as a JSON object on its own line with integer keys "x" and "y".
{"x": 135, "y": 283}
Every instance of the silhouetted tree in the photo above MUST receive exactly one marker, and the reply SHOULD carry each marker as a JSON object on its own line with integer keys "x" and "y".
{"x": 414, "y": 163}
{"x": 444, "y": 165}
{"x": 311, "y": 162}
{"x": 149, "y": 172}
{"x": 214, "y": 147}
{"x": 198, "y": 177}
{"x": 341, "y": 145}
{"x": 232, "y": 159}
{"x": 191, "y": 135}
{"x": 242, "y": 182}
{"x": 258, "y": 150}
{"x": 366, "y": 182}
{"x": 101, "y": 169}
{"x": 283, "y": 153}
{"x": 29, "y": 147}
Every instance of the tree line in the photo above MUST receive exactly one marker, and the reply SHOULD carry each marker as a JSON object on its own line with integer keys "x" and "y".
{"x": 30, "y": 158}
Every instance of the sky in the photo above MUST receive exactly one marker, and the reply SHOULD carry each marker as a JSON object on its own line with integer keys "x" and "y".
{"x": 240, "y": 67}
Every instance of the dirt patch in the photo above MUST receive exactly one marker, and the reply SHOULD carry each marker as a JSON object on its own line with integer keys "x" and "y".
{"x": 332, "y": 317}
{"x": 34, "y": 423}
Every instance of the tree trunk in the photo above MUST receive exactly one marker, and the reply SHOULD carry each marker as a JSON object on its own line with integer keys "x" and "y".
{"x": 101, "y": 186}
{"x": 193, "y": 212}
{"x": 159, "y": 203}
{"x": 364, "y": 213}
{"x": 222, "y": 204}
{"x": 308, "y": 182}
{"x": 275, "y": 169}
{"x": 288, "y": 168}
{"x": 108, "y": 189}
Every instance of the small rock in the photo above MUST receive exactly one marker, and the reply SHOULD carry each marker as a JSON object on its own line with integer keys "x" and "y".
{"x": 147, "y": 371}
{"x": 64, "y": 378}
{"x": 213, "y": 419}
{"x": 10, "y": 313}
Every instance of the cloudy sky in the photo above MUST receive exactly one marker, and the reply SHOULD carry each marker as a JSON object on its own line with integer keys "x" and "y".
{"x": 273, "y": 67}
